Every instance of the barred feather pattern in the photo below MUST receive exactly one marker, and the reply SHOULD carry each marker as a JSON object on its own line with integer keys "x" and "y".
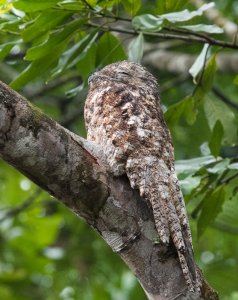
{"x": 123, "y": 114}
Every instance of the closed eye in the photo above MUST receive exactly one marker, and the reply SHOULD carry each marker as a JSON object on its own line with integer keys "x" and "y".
{"x": 124, "y": 73}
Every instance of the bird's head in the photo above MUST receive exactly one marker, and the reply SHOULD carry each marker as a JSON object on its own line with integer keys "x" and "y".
{"x": 124, "y": 72}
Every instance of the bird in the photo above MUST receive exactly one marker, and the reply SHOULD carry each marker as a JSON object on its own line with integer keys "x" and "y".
{"x": 123, "y": 115}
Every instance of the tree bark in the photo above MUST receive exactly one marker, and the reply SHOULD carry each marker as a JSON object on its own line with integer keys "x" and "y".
{"x": 68, "y": 167}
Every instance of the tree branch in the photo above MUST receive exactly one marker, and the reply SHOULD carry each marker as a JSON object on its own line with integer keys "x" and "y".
{"x": 67, "y": 167}
{"x": 187, "y": 36}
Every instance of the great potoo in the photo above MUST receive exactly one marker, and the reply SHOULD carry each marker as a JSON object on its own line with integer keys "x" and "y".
{"x": 124, "y": 116}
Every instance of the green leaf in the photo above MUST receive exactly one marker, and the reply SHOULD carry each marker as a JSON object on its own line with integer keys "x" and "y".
{"x": 136, "y": 48}
{"x": 206, "y": 81}
{"x": 131, "y": 6}
{"x": 44, "y": 22}
{"x": 212, "y": 206}
{"x": 34, "y": 5}
{"x": 203, "y": 28}
{"x": 37, "y": 68}
{"x": 217, "y": 110}
{"x": 12, "y": 26}
{"x": 153, "y": 23}
{"x": 190, "y": 166}
{"x": 184, "y": 107}
{"x": 208, "y": 74}
{"x": 87, "y": 63}
{"x": 147, "y": 23}
{"x": 72, "y": 56}
{"x": 216, "y": 138}
{"x": 6, "y": 48}
{"x": 170, "y": 5}
{"x": 72, "y": 5}
{"x": 109, "y": 50}
{"x": 236, "y": 80}
{"x": 55, "y": 41}
{"x": 219, "y": 167}
{"x": 186, "y": 15}
{"x": 199, "y": 63}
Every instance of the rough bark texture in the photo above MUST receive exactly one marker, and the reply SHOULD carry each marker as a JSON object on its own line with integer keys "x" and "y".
{"x": 67, "y": 167}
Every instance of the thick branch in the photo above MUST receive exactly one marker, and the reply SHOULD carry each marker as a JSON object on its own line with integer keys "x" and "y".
{"x": 66, "y": 166}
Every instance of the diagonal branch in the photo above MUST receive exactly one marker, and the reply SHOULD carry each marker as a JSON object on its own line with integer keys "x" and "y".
{"x": 67, "y": 167}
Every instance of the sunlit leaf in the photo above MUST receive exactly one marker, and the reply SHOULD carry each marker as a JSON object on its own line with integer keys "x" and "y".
{"x": 5, "y": 7}
{"x": 216, "y": 138}
{"x": 199, "y": 63}
{"x": 203, "y": 28}
{"x": 170, "y": 5}
{"x": 34, "y": 5}
{"x": 153, "y": 23}
{"x": 135, "y": 48}
{"x": 212, "y": 205}
{"x": 131, "y": 6}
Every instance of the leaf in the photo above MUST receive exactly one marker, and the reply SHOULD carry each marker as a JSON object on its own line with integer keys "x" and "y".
{"x": 131, "y": 6}
{"x": 12, "y": 26}
{"x": 217, "y": 110}
{"x": 170, "y": 5}
{"x": 72, "y": 56}
{"x": 203, "y": 28}
{"x": 5, "y": 7}
{"x": 208, "y": 74}
{"x": 6, "y": 48}
{"x": 148, "y": 23}
{"x": 236, "y": 80}
{"x": 152, "y": 23}
{"x": 216, "y": 138}
{"x": 219, "y": 167}
{"x": 190, "y": 166}
{"x": 212, "y": 206}
{"x": 109, "y": 50}
{"x": 199, "y": 63}
{"x": 184, "y": 107}
{"x": 135, "y": 49}
{"x": 86, "y": 65}
{"x": 55, "y": 41}
{"x": 206, "y": 81}
{"x": 44, "y": 22}
{"x": 186, "y": 15}
{"x": 36, "y": 68}
{"x": 34, "y": 5}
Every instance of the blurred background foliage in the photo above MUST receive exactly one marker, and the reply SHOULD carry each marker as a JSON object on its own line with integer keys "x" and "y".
{"x": 47, "y": 51}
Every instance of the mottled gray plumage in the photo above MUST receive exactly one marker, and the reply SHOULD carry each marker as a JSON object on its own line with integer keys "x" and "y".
{"x": 124, "y": 116}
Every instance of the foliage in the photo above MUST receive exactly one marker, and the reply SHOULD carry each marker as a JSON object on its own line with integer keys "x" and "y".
{"x": 48, "y": 50}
